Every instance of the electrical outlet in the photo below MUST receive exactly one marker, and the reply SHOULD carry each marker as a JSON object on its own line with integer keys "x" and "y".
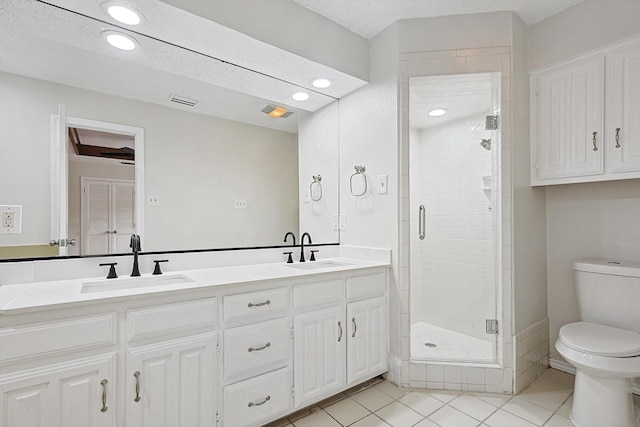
{"x": 10, "y": 219}
{"x": 241, "y": 204}
{"x": 153, "y": 200}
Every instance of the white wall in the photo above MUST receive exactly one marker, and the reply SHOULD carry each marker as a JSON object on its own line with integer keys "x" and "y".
{"x": 197, "y": 164}
{"x": 369, "y": 137}
{"x": 318, "y": 147}
{"x": 592, "y": 219}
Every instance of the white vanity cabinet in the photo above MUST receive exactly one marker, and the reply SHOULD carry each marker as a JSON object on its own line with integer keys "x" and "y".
{"x": 340, "y": 335}
{"x": 583, "y": 119}
{"x": 171, "y": 382}
{"x": 77, "y": 393}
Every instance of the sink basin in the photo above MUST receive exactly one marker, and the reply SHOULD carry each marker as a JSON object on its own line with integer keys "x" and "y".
{"x": 134, "y": 283}
{"x": 317, "y": 265}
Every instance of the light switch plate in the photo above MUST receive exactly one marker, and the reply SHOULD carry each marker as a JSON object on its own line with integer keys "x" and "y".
{"x": 382, "y": 184}
{"x": 10, "y": 219}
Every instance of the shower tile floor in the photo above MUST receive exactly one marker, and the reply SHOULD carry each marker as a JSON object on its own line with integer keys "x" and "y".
{"x": 450, "y": 345}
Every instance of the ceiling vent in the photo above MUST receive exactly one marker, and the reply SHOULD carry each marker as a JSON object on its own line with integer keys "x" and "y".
{"x": 183, "y": 100}
{"x": 276, "y": 112}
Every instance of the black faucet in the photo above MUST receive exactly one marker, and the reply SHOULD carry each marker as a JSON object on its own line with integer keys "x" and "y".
{"x": 302, "y": 246}
{"x": 135, "y": 247}
{"x": 290, "y": 233}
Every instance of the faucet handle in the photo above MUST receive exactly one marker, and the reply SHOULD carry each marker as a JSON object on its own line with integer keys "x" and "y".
{"x": 156, "y": 270}
{"x": 290, "y": 258}
{"x": 112, "y": 271}
{"x": 313, "y": 254}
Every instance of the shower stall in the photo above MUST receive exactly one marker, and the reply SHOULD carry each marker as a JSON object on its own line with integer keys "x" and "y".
{"x": 454, "y": 182}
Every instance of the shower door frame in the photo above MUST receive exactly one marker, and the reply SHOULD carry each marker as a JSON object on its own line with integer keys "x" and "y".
{"x": 498, "y": 377}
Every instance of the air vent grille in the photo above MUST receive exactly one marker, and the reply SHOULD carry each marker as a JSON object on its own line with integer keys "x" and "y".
{"x": 183, "y": 100}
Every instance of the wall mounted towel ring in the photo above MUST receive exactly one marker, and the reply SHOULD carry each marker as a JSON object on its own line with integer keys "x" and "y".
{"x": 315, "y": 188}
{"x": 359, "y": 172}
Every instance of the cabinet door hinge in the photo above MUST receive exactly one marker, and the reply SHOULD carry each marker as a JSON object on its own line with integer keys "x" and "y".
{"x": 217, "y": 350}
{"x": 217, "y": 418}
{"x": 293, "y": 392}
{"x": 293, "y": 333}
{"x": 492, "y": 326}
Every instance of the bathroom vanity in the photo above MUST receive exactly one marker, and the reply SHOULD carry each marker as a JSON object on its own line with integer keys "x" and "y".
{"x": 232, "y": 346}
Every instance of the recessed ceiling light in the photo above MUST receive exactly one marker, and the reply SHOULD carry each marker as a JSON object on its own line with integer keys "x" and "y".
{"x": 437, "y": 112}
{"x": 122, "y": 13}
{"x": 119, "y": 40}
{"x": 321, "y": 83}
{"x": 300, "y": 96}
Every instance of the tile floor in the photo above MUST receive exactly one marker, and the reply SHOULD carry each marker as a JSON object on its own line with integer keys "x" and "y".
{"x": 378, "y": 403}
{"x": 450, "y": 345}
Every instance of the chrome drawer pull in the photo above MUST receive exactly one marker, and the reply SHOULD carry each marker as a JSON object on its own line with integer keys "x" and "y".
{"x": 266, "y": 399}
{"x": 267, "y": 345}
{"x": 137, "y": 375}
{"x": 103, "y": 383}
{"x": 260, "y": 304}
{"x": 618, "y": 138}
{"x": 355, "y": 327}
{"x": 340, "y": 336}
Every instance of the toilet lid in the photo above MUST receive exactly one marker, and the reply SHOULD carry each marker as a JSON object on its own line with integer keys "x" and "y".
{"x": 600, "y": 340}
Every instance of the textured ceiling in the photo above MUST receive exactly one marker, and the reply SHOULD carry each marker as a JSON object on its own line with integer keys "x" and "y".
{"x": 369, "y": 17}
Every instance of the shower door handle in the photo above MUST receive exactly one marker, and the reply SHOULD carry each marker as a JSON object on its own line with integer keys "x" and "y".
{"x": 422, "y": 222}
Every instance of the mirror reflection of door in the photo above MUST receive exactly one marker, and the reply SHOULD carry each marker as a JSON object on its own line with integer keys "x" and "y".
{"x": 101, "y": 192}
{"x": 107, "y": 215}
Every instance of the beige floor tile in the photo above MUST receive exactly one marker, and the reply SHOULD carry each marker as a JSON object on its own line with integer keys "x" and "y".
{"x": 450, "y": 417}
{"x": 331, "y": 400}
{"x": 528, "y": 411}
{"x": 565, "y": 409}
{"x": 551, "y": 386}
{"x": 426, "y": 423}
{"x": 494, "y": 399}
{"x": 370, "y": 421}
{"x": 559, "y": 377}
{"x": 502, "y": 418}
{"x": 445, "y": 396}
{"x": 398, "y": 415}
{"x": 392, "y": 390}
{"x": 422, "y": 403}
{"x": 282, "y": 422}
{"x": 549, "y": 401}
{"x": 302, "y": 413}
{"x": 347, "y": 411}
{"x": 470, "y": 405}
{"x": 372, "y": 399}
{"x": 317, "y": 419}
{"x": 558, "y": 421}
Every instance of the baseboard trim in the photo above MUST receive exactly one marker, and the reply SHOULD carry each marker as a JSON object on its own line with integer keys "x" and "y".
{"x": 563, "y": 366}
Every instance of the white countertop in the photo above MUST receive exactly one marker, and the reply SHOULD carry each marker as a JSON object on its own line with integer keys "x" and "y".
{"x": 35, "y": 296}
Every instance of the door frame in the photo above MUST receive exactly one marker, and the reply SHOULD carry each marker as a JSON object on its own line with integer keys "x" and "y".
{"x": 60, "y": 167}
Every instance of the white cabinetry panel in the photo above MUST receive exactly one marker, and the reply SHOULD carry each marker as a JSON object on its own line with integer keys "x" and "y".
{"x": 367, "y": 339}
{"x": 171, "y": 383}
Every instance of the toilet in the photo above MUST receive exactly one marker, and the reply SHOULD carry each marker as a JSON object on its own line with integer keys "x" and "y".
{"x": 604, "y": 346}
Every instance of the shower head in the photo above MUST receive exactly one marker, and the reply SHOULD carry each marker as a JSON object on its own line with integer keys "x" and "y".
{"x": 486, "y": 144}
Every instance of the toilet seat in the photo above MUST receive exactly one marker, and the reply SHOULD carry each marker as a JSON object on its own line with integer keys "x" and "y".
{"x": 600, "y": 340}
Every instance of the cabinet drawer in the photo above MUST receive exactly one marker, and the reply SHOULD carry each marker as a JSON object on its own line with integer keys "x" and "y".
{"x": 255, "y": 349}
{"x": 266, "y": 304}
{"x": 183, "y": 316}
{"x": 316, "y": 294}
{"x": 46, "y": 339}
{"x": 255, "y": 401}
{"x": 370, "y": 285}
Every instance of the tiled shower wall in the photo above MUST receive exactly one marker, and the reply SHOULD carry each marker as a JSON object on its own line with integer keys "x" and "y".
{"x": 452, "y": 269}
{"x": 497, "y": 378}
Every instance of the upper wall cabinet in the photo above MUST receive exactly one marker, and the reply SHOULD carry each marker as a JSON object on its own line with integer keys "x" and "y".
{"x": 582, "y": 119}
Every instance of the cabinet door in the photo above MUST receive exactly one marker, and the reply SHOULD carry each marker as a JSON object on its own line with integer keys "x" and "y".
{"x": 319, "y": 354}
{"x": 367, "y": 339}
{"x": 171, "y": 383}
{"x": 69, "y": 394}
{"x": 568, "y": 111}
{"x": 623, "y": 103}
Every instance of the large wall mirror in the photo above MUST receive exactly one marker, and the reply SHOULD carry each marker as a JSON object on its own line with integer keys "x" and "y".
{"x": 218, "y": 174}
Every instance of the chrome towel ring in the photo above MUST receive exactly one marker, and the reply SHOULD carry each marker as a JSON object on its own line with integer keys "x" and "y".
{"x": 317, "y": 185}
{"x": 359, "y": 171}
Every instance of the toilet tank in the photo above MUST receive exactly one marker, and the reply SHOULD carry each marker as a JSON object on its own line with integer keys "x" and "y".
{"x": 609, "y": 292}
